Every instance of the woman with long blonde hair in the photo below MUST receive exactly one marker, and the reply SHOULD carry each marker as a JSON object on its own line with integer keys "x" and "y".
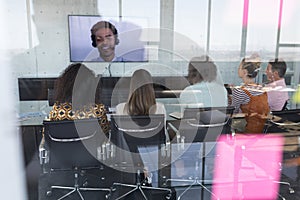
{"x": 141, "y": 99}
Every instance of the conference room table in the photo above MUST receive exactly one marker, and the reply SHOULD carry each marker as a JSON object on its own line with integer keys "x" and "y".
{"x": 284, "y": 124}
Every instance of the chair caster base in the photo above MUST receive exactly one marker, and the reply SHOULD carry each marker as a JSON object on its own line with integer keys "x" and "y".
{"x": 48, "y": 193}
{"x": 291, "y": 191}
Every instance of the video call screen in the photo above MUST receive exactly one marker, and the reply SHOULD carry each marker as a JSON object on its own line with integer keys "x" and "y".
{"x": 130, "y": 48}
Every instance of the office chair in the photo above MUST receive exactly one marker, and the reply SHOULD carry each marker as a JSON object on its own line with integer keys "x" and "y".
{"x": 247, "y": 166}
{"x": 278, "y": 122}
{"x": 285, "y": 106}
{"x": 71, "y": 146}
{"x": 204, "y": 124}
{"x": 201, "y": 125}
{"x": 130, "y": 134}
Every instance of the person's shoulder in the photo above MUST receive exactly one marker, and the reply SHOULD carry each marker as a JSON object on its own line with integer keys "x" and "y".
{"x": 254, "y": 90}
{"x": 281, "y": 82}
{"x": 99, "y": 106}
{"x": 201, "y": 85}
{"x": 189, "y": 87}
{"x": 238, "y": 90}
{"x": 120, "y": 108}
{"x": 160, "y": 104}
{"x": 160, "y": 108}
{"x": 62, "y": 105}
{"x": 121, "y": 59}
{"x": 61, "y": 111}
{"x": 120, "y": 105}
{"x": 97, "y": 59}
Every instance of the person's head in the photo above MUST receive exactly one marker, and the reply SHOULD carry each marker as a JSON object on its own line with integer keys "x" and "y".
{"x": 104, "y": 36}
{"x": 249, "y": 67}
{"x": 201, "y": 69}
{"x": 141, "y": 100}
{"x": 276, "y": 69}
{"x": 76, "y": 83}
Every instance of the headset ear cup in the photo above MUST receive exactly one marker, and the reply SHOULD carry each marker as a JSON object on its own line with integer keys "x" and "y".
{"x": 94, "y": 44}
{"x": 117, "y": 41}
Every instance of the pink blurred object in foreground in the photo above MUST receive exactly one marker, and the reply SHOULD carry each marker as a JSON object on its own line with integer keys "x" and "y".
{"x": 247, "y": 166}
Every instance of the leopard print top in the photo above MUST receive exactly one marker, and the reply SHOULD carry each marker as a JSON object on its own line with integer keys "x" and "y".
{"x": 63, "y": 111}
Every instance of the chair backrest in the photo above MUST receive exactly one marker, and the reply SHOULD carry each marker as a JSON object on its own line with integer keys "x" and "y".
{"x": 248, "y": 159}
{"x": 73, "y": 143}
{"x": 206, "y": 124}
{"x": 284, "y": 121}
{"x": 285, "y": 106}
{"x": 138, "y": 130}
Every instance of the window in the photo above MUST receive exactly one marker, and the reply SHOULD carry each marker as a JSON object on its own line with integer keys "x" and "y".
{"x": 290, "y": 30}
{"x": 262, "y": 27}
{"x": 226, "y": 29}
{"x": 190, "y": 27}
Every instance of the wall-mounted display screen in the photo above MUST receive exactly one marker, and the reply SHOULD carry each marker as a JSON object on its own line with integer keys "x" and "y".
{"x": 99, "y": 39}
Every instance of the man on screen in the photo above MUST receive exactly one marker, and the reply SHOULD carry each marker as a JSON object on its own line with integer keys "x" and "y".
{"x": 104, "y": 36}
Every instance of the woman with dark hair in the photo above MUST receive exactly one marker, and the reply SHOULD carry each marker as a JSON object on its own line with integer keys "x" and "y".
{"x": 206, "y": 90}
{"x": 249, "y": 98}
{"x": 141, "y": 99}
{"x": 76, "y": 96}
{"x": 249, "y": 68}
{"x": 247, "y": 71}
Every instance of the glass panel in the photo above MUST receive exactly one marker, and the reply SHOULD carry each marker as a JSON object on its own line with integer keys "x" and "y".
{"x": 149, "y": 17}
{"x": 108, "y": 8}
{"x": 289, "y": 53}
{"x": 290, "y": 29}
{"x": 190, "y": 27}
{"x": 262, "y": 28}
{"x": 14, "y": 15}
{"x": 226, "y": 29}
{"x": 149, "y": 10}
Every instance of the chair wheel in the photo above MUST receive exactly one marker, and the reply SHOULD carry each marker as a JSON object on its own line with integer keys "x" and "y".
{"x": 169, "y": 196}
{"x": 113, "y": 189}
{"x": 291, "y": 190}
{"x": 48, "y": 193}
{"x": 85, "y": 184}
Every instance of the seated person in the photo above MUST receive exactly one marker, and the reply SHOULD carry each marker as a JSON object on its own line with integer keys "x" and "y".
{"x": 206, "y": 89}
{"x": 248, "y": 98}
{"x": 275, "y": 74}
{"x": 141, "y": 99}
{"x": 74, "y": 97}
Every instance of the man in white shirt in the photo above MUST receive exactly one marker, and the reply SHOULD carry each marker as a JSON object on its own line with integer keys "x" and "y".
{"x": 277, "y": 96}
{"x": 206, "y": 89}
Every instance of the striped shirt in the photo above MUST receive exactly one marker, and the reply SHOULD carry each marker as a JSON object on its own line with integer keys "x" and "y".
{"x": 239, "y": 97}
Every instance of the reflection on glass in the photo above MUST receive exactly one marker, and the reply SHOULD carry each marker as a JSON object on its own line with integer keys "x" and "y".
{"x": 262, "y": 27}
{"x": 226, "y": 29}
{"x": 108, "y": 8}
{"x": 290, "y": 17}
{"x": 289, "y": 53}
{"x": 186, "y": 163}
{"x": 136, "y": 8}
{"x": 191, "y": 30}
